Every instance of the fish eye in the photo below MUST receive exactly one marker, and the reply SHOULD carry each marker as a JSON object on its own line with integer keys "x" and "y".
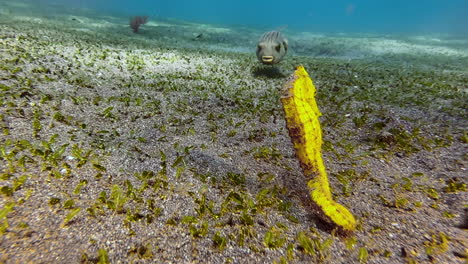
{"x": 259, "y": 47}
{"x": 278, "y": 47}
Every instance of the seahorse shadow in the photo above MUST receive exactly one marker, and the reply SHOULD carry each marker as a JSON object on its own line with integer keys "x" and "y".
{"x": 297, "y": 186}
{"x": 216, "y": 167}
{"x": 206, "y": 163}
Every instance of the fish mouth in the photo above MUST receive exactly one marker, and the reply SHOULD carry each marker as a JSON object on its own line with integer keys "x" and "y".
{"x": 267, "y": 59}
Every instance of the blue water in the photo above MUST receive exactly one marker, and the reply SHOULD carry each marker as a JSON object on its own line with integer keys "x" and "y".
{"x": 377, "y": 16}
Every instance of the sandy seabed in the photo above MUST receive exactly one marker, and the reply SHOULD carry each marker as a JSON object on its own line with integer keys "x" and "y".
{"x": 169, "y": 146}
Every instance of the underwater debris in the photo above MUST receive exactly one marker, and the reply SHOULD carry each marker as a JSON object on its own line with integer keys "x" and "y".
{"x": 137, "y": 21}
{"x": 301, "y": 114}
{"x": 271, "y": 47}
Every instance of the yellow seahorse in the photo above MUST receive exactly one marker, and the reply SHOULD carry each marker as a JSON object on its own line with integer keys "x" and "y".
{"x": 302, "y": 120}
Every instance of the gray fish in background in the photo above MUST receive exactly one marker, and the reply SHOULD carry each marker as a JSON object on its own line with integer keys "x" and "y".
{"x": 271, "y": 47}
